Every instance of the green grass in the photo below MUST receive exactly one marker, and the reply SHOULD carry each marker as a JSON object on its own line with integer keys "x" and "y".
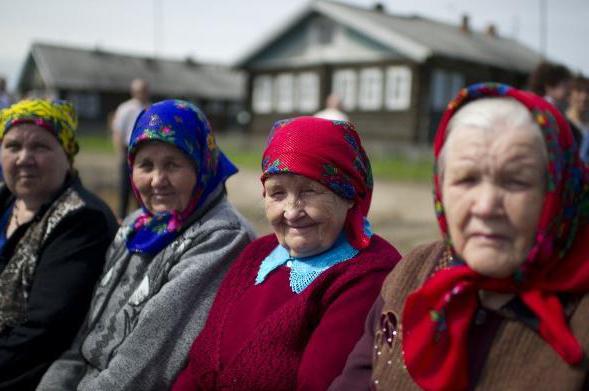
{"x": 248, "y": 155}
{"x": 95, "y": 143}
{"x": 402, "y": 169}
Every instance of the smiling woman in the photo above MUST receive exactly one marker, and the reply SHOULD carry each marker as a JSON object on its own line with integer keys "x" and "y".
{"x": 166, "y": 262}
{"x": 299, "y": 296}
{"x": 163, "y": 176}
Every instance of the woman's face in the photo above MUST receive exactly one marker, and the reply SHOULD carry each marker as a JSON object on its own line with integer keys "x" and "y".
{"x": 164, "y": 176}
{"x": 33, "y": 163}
{"x": 306, "y": 216}
{"x": 493, "y": 189}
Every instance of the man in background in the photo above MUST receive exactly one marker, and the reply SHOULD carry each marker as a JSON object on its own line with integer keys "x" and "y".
{"x": 5, "y": 99}
{"x": 332, "y": 109}
{"x": 122, "y": 126}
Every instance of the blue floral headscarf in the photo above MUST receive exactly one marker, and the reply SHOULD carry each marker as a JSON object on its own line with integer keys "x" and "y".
{"x": 184, "y": 126}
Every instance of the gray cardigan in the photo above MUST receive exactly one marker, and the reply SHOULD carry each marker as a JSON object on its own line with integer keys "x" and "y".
{"x": 147, "y": 311}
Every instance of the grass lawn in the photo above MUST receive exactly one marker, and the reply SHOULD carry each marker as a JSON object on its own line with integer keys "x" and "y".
{"x": 248, "y": 155}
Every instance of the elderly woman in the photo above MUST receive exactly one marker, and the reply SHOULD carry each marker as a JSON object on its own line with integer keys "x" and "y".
{"x": 292, "y": 306}
{"x": 166, "y": 262}
{"x": 53, "y": 237}
{"x": 501, "y": 303}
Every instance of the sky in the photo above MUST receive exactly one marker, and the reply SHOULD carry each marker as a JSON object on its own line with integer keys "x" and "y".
{"x": 224, "y": 31}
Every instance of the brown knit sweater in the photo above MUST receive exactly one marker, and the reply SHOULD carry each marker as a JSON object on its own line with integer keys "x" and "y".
{"x": 519, "y": 359}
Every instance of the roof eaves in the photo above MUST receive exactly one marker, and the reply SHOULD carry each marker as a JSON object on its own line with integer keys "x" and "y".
{"x": 287, "y": 25}
{"x": 387, "y": 37}
{"x": 36, "y": 53}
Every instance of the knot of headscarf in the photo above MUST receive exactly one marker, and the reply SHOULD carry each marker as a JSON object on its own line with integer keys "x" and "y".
{"x": 184, "y": 126}
{"x": 436, "y": 317}
{"x": 57, "y": 116}
{"x": 329, "y": 152}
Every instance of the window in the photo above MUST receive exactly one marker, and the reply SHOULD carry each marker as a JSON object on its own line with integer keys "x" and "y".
{"x": 444, "y": 86}
{"x": 308, "y": 92}
{"x": 344, "y": 86}
{"x": 284, "y": 93}
{"x": 370, "y": 89}
{"x": 398, "y": 88}
{"x": 321, "y": 32}
{"x": 262, "y": 94}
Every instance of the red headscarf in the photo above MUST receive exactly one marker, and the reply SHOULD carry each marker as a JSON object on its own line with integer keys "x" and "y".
{"x": 329, "y": 152}
{"x": 437, "y": 316}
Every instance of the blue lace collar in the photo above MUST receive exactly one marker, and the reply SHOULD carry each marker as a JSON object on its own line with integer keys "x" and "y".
{"x": 303, "y": 271}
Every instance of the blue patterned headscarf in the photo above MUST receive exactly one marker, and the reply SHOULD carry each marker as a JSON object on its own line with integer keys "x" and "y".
{"x": 184, "y": 126}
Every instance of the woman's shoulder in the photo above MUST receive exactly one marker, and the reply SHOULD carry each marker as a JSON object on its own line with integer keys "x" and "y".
{"x": 221, "y": 216}
{"x": 414, "y": 267}
{"x": 91, "y": 202}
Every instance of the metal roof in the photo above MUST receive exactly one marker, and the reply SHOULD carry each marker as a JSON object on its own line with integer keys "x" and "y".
{"x": 85, "y": 69}
{"x": 416, "y": 37}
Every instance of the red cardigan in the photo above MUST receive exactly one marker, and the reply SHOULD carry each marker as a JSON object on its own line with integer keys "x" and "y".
{"x": 265, "y": 337}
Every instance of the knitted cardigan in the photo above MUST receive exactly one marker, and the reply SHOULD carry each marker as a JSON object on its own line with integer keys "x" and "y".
{"x": 518, "y": 358}
{"x": 270, "y": 357}
{"x": 147, "y": 310}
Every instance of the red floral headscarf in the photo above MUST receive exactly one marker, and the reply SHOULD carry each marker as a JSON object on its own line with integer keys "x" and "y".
{"x": 437, "y": 316}
{"x": 329, "y": 152}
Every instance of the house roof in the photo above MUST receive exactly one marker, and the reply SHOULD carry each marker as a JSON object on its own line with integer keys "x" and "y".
{"x": 83, "y": 69}
{"x": 417, "y": 38}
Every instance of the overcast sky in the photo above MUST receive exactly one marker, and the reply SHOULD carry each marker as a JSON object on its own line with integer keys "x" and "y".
{"x": 225, "y": 30}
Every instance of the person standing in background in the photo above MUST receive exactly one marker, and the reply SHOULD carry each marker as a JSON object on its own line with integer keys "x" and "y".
{"x": 551, "y": 81}
{"x": 122, "y": 125}
{"x": 5, "y": 99}
{"x": 332, "y": 109}
{"x": 576, "y": 114}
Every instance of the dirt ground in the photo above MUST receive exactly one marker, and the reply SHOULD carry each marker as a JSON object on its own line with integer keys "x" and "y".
{"x": 401, "y": 212}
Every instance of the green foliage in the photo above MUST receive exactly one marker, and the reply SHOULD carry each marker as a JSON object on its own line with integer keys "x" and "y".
{"x": 95, "y": 143}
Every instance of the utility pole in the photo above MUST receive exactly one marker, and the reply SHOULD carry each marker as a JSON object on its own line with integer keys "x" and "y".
{"x": 157, "y": 28}
{"x": 543, "y": 28}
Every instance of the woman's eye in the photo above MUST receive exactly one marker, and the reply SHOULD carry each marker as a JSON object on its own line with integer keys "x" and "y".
{"x": 12, "y": 147}
{"x": 466, "y": 180}
{"x": 516, "y": 183}
{"x": 144, "y": 165}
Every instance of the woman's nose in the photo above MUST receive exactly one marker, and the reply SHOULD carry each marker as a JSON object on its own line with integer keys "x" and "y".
{"x": 24, "y": 156}
{"x": 487, "y": 200}
{"x": 293, "y": 208}
{"x": 159, "y": 178}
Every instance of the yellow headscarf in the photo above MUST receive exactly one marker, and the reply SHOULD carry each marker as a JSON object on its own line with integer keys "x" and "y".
{"x": 57, "y": 116}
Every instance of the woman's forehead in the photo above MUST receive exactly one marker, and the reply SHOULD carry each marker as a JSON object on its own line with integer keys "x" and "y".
{"x": 29, "y": 132}
{"x": 290, "y": 180}
{"x": 500, "y": 145}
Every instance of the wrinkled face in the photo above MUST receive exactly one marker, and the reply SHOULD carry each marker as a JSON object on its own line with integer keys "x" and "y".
{"x": 306, "y": 216}
{"x": 164, "y": 176}
{"x": 33, "y": 162}
{"x": 493, "y": 189}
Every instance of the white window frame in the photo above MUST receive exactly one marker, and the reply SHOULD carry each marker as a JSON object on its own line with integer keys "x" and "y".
{"x": 344, "y": 82}
{"x": 307, "y": 95}
{"x": 371, "y": 89}
{"x": 284, "y": 92}
{"x": 398, "y": 88}
{"x": 262, "y": 94}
